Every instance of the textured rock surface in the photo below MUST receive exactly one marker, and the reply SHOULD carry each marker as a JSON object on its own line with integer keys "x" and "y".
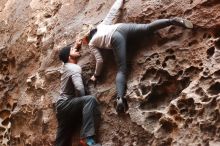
{"x": 173, "y": 83}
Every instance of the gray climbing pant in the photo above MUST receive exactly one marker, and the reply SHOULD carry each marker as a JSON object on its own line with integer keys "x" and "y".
{"x": 119, "y": 41}
{"x": 68, "y": 113}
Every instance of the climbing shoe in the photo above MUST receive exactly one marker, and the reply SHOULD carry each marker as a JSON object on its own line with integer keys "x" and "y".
{"x": 122, "y": 105}
{"x": 182, "y": 22}
{"x": 89, "y": 141}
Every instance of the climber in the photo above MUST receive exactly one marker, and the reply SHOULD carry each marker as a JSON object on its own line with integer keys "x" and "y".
{"x": 115, "y": 36}
{"x": 73, "y": 101}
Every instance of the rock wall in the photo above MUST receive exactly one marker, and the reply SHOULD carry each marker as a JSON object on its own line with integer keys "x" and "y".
{"x": 173, "y": 81}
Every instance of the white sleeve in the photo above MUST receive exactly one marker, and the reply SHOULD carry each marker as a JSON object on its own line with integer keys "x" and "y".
{"x": 99, "y": 60}
{"x": 114, "y": 12}
{"x": 78, "y": 84}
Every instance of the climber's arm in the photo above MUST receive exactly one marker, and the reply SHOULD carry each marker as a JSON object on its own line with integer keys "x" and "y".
{"x": 114, "y": 12}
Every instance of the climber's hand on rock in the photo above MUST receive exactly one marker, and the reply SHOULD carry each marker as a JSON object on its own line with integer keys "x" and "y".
{"x": 93, "y": 78}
